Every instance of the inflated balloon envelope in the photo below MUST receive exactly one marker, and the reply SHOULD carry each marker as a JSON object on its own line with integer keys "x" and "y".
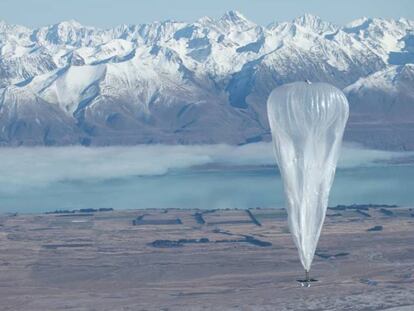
{"x": 307, "y": 121}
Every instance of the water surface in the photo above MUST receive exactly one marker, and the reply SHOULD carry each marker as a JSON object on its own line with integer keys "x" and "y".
{"x": 206, "y": 177}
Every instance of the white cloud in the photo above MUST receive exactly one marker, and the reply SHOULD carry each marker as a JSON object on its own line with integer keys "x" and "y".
{"x": 40, "y": 166}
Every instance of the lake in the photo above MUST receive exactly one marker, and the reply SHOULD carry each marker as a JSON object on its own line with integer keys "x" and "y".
{"x": 34, "y": 180}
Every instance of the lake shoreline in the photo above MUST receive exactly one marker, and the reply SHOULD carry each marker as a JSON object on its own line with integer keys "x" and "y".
{"x": 91, "y": 211}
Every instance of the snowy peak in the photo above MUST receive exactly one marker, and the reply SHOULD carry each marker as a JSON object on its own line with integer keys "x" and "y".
{"x": 314, "y": 23}
{"x": 358, "y": 24}
{"x": 234, "y": 19}
{"x": 72, "y": 23}
{"x": 17, "y": 29}
{"x": 66, "y": 32}
{"x": 169, "y": 81}
{"x": 385, "y": 97}
{"x": 204, "y": 21}
{"x": 387, "y": 80}
{"x": 383, "y": 36}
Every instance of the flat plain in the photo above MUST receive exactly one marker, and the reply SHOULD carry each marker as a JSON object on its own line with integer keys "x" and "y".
{"x": 205, "y": 260}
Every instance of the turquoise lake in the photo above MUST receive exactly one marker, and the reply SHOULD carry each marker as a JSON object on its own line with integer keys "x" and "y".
{"x": 35, "y": 180}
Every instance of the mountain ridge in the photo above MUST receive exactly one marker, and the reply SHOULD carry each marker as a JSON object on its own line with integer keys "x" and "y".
{"x": 195, "y": 83}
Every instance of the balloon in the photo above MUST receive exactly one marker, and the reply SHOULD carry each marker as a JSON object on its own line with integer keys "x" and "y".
{"x": 307, "y": 121}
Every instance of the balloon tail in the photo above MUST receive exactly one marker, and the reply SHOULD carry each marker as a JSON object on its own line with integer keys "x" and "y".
{"x": 307, "y": 279}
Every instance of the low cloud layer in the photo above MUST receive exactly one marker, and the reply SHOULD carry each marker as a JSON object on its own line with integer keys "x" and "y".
{"x": 44, "y": 165}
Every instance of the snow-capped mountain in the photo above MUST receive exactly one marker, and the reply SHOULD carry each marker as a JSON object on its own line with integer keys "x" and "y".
{"x": 201, "y": 82}
{"x": 382, "y": 106}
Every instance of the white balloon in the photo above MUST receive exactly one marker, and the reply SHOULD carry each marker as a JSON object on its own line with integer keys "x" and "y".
{"x": 307, "y": 122}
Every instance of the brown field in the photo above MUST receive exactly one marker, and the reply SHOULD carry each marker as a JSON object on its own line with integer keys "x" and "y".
{"x": 195, "y": 260}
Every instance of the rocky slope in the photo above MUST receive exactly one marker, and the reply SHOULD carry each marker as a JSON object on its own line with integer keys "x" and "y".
{"x": 201, "y": 82}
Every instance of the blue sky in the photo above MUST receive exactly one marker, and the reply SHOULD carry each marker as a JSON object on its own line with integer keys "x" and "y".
{"x": 108, "y": 13}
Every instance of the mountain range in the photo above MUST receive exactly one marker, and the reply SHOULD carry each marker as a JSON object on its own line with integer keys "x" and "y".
{"x": 199, "y": 83}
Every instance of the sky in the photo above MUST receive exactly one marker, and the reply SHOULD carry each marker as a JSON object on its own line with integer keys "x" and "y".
{"x": 109, "y": 13}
